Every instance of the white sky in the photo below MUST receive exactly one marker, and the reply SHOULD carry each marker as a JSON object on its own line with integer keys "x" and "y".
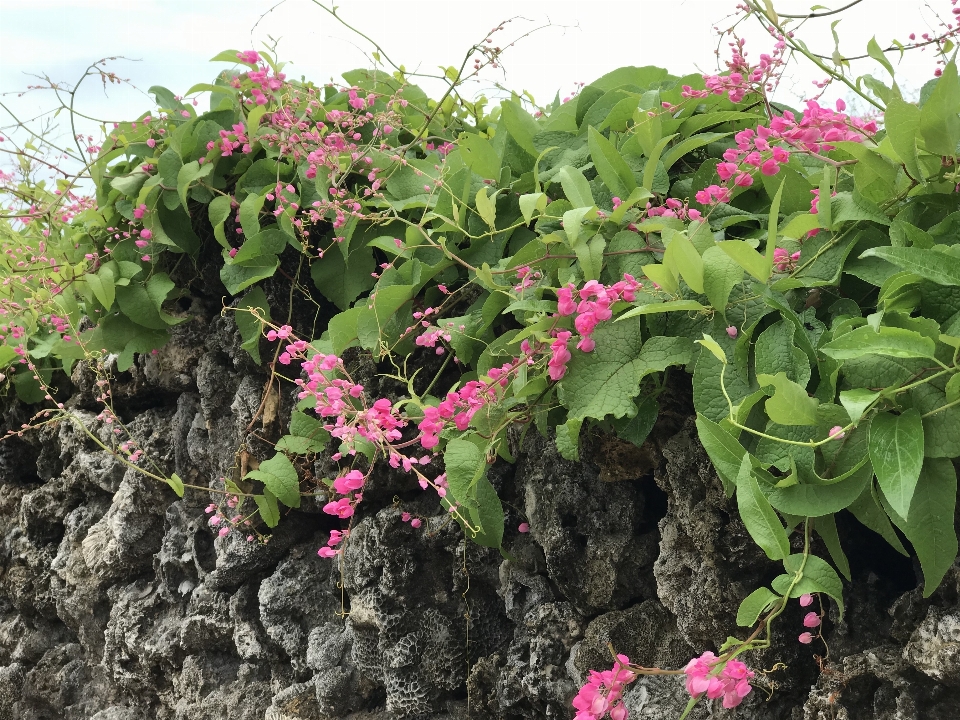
{"x": 172, "y": 41}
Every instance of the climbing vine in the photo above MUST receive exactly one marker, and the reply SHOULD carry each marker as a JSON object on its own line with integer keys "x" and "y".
{"x": 539, "y": 268}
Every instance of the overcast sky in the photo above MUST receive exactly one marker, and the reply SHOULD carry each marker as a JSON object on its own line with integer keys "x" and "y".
{"x": 169, "y": 42}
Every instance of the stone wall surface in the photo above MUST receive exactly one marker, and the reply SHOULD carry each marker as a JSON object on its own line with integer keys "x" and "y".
{"x": 118, "y": 602}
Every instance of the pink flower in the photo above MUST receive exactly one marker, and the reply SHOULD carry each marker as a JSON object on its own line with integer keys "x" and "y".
{"x": 770, "y": 167}
{"x": 353, "y": 480}
{"x": 836, "y": 433}
{"x": 523, "y": 527}
{"x": 146, "y": 234}
{"x": 806, "y": 600}
{"x": 732, "y": 331}
{"x": 726, "y": 170}
{"x": 415, "y": 523}
{"x": 806, "y": 638}
{"x": 327, "y": 552}
{"x": 251, "y": 57}
{"x": 811, "y": 620}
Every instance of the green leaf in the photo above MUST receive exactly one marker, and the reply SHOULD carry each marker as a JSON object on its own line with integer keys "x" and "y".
{"x": 464, "y": 464}
{"x": 218, "y": 211}
{"x": 486, "y": 207}
{"x": 572, "y": 222}
{"x": 176, "y": 483}
{"x": 168, "y": 166}
{"x": 239, "y": 277}
{"x": 653, "y": 161}
{"x": 521, "y": 125}
{"x": 602, "y": 382}
{"x": 636, "y": 429}
{"x": 790, "y": 405}
{"x": 575, "y": 187}
{"x": 689, "y": 145}
{"x": 896, "y": 451}
{"x": 531, "y": 202}
{"x": 488, "y": 515}
{"x": 867, "y": 510}
{"x": 683, "y": 256}
{"x": 610, "y": 165}
{"x": 754, "y": 605}
{"x": 250, "y": 328}
{"x": 759, "y": 518}
{"x": 279, "y": 477}
{"x": 851, "y": 207}
{"x": 250, "y": 213}
{"x": 341, "y": 281}
{"x": 747, "y": 258}
{"x": 939, "y": 122}
{"x": 725, "y": 451}
{"x": 855, "y": 402}
{"x": 902, "y": 122}
{"x": 189, "y": 173}
{"x": 568, "y": 439}
{"x": 930, "y": 525}
{"x": 873, "y": 49}
{"x": 952, "y": 389}
{"x": 661, "y": 307}
{"x": 721, "y": 274}
{"x": 826, "y": 527}
{"x": 479, "y": 155}
{"x": 772, "y": 222}
{"x": 892, "y": 342}
{"x": 931, "y": 265}
{"x": 818, "y": 576}
{"x": 267, "y": 504}
{"x": 102, "y": 286}
{"x": 663, "y": 276}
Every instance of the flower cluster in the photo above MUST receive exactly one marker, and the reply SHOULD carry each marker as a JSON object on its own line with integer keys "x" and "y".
{"x": 671, "y": 208}
{"x": 742, "y": 77}
{"x": 811, "y": 619}
{"x": 461, "y": 405}
{"x": 594, "y": 306}
{"x": 732, "y": 682}
{"x": 602, "y": 695}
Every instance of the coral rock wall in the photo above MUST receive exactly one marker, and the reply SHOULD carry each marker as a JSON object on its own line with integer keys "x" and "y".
{"x": 118, "y": 602}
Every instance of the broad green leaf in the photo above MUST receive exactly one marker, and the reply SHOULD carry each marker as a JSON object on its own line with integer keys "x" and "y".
{"x": 239, "y": 277}
{"x": 464, "y": 464}
{"x": 102, "y": 286}
{"x": 790, "y": 405}
{"x": 590, "y": 256}
{"x": 775, "y": 352}
{"x": 700, "y": 122}
{"x": 188, "y": 174}
{"x": 747, "y": 258}
{"x": 826, "y": 527}
{"x": 714, "y": 347}
{"x": 818, "y": 576}
{"x": 855, "y": 402}
{"x": 653, "y": 161}
{"x": 896, "y": 451}
{"x": 250, "y": 328}
{"x": 572, "y": 221}
{"x": 867, "y": 510}
{"x": 486, "y": 207}
{"x": 218, "y": 211}
{"x": 892, "y": 342}
{"x": 939, "y": 120}
{"x": 521, "y": 125}
{"x": 575, "y": 187}
{"x": 952, "y": 389}
{"x": 754, "y": 605}
{"x": 721, "y": 274}
{"x": 479, "y": 155}
{"x": 636, "y": 196}
{"x": 662, "y": 307}
{"x": 759, "y": 518}
{"x": 279, "y": 477}
{"x": 930, "y": 527}
{"x": 488, "y": 515}
{"x": 873, "y": 49}
{"x": 343, "y": 282}
{"x": 932, "y": 265}
{"x": 682, "y": 256}
{"x": 250, "y": 213}
{"x": 614, "y": 172}
{"x": 568, "y": 439}
{"x": 531, "y": 202}
{"x": 902, "y": 122}
{"x": 689, "y": 145}
{"x": 603, "y": 382}
{"x": 663, "y": 276}
{"x": 851, "y": 207}
{"x": 269, "y": 512}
